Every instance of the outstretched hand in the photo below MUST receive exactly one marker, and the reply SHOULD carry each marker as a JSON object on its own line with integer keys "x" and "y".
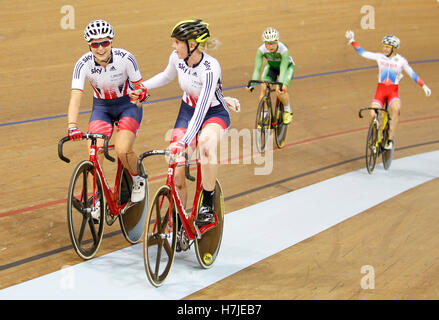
{"x": 350, "y": 36}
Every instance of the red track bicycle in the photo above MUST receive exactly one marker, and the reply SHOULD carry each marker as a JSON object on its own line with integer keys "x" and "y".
{"x": 165, "y": 232}
{"x": 91, "y": 201}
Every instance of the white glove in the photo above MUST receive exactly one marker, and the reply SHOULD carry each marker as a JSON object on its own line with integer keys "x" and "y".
{"x": 233, "y": 104}
{"x": 426, "y": 90}
{"x": 350, "y": 36}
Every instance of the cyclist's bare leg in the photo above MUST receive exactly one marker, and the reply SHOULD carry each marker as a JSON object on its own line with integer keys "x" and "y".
{"x": 284, "y": 97}
{"x": 123, "y": 145}
{"x": 180, "y": 184}
{"x": 372, "y": 113}
{"x": 208, "y": 142}
{"x": 394, "y": 110}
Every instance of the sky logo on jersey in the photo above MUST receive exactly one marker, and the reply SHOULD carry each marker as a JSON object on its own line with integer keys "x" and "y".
{"x": 96, "y": 70}
{"x": 182, "y": 67}
{"x": 119, "y": 53}
{"x": 86, "y": 58}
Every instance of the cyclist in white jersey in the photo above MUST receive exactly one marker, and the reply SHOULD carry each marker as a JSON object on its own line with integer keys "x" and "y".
{"x": 390, "y": 65}
{"x": 112, "y": 73}
{"x": 203, "y": 107}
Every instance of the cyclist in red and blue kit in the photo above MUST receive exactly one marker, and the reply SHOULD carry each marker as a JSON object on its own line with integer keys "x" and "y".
{"x": 112, "y": 73}
{"x": 390, "y": 65}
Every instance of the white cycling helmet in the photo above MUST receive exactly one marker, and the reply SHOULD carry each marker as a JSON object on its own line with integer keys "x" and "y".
{"x": 391, "y": 41}
{"x": 270, "y": 34}
{"x": 98, "y": 29}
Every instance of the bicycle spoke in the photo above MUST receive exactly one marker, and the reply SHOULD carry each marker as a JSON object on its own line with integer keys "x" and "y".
{"x": 159, "y": 255}
{"x": 82, "y": 229}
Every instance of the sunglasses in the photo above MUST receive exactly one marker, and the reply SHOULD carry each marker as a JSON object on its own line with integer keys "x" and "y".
{"x": 96, "y": 45}
{"x": 271, "y": 42}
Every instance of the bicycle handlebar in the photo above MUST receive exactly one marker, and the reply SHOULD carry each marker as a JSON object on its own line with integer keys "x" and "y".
{"x": 249, "y": 85}
{"x": 377, "y": 109}
{"x": 165, "y": 153}
{"x": 93, "y": 136}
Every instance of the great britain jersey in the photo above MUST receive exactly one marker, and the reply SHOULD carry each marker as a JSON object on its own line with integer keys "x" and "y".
{"x": 201, "y": 85}
{"x": 390, "y": 69}
{"x": 110, "y": 82}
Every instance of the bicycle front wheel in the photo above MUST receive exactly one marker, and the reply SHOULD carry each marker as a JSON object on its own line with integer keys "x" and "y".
{"x": 207, "y": 248}
{"x": 371, "y": 147}
{"x": 263, "y": 122}
{"x": 85, "y": 210}
{"x": 281, "y": 128}
{"x": 160, "y": 237}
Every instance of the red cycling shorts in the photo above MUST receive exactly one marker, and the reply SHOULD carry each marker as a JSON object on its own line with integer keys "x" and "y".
{"x": 386, "y": 92}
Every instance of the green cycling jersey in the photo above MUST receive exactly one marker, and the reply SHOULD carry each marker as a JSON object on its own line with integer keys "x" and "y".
{"x": 280, "y": 61}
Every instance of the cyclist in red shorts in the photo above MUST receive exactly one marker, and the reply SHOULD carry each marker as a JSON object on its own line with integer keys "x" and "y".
{"x": 390, "y": 65}
{"x": 112, "y": 73}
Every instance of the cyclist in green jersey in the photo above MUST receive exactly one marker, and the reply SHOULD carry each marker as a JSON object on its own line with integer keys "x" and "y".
{"x": 280, "y": 67}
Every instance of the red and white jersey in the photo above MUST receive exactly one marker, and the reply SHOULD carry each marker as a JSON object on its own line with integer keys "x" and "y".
{"x": 113, "y": 81}
{"x": 201, "y": 85}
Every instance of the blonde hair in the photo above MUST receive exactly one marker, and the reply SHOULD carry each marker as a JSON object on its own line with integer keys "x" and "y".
{"x": 210, "y": 44}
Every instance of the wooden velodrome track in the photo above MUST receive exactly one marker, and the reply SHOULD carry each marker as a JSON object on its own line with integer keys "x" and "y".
{"x": 398, "y": 237}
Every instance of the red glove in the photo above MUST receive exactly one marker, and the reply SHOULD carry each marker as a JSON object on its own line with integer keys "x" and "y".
{"x": 142, "y": 95}
{"x": 74, "y": 133}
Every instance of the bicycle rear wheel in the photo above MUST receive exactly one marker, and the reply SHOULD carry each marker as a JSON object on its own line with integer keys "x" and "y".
{"x": 132, "y": 222}
{"x": 85, "y": 231}
{"x": 371, "y": 147}
{"x": 207, "y": 248}
{"x": 281, "y": 128}
{"x": 160, "y": 237}
{"x": 262, "y": 127}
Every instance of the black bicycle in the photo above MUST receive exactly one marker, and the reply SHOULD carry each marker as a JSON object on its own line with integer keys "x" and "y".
{"x": 268, "y": 118}
{"x": 377, "y": 137}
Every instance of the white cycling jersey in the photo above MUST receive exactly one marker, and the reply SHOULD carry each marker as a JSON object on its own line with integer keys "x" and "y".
{"x": 201, "y": 85}
{"x": 113, "y": 81}
{"x": 390, "y": 69}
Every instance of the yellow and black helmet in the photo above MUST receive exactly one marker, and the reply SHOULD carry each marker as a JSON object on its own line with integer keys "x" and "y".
{"x": 197, "y": 30}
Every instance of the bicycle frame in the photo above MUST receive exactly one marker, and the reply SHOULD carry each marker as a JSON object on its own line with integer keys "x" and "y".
{"x": 267, "y": 97}
{"x": 384, "y": 114}
{"x": 187, "y": 220}
{"x": 111, "y": 196}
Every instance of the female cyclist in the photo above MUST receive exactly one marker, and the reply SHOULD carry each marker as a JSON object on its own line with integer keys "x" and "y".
{"x": 279, "y": 66}
{"x": 202, "y": 107}
{"x": 112, "y": 72}
{"x": 390, "y": 65}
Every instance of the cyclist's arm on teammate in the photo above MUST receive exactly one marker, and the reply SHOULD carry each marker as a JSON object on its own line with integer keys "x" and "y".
{"x": 156, "y": 81}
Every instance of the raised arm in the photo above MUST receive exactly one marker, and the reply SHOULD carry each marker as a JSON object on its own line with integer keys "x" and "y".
{"x": 365, "y": 54}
